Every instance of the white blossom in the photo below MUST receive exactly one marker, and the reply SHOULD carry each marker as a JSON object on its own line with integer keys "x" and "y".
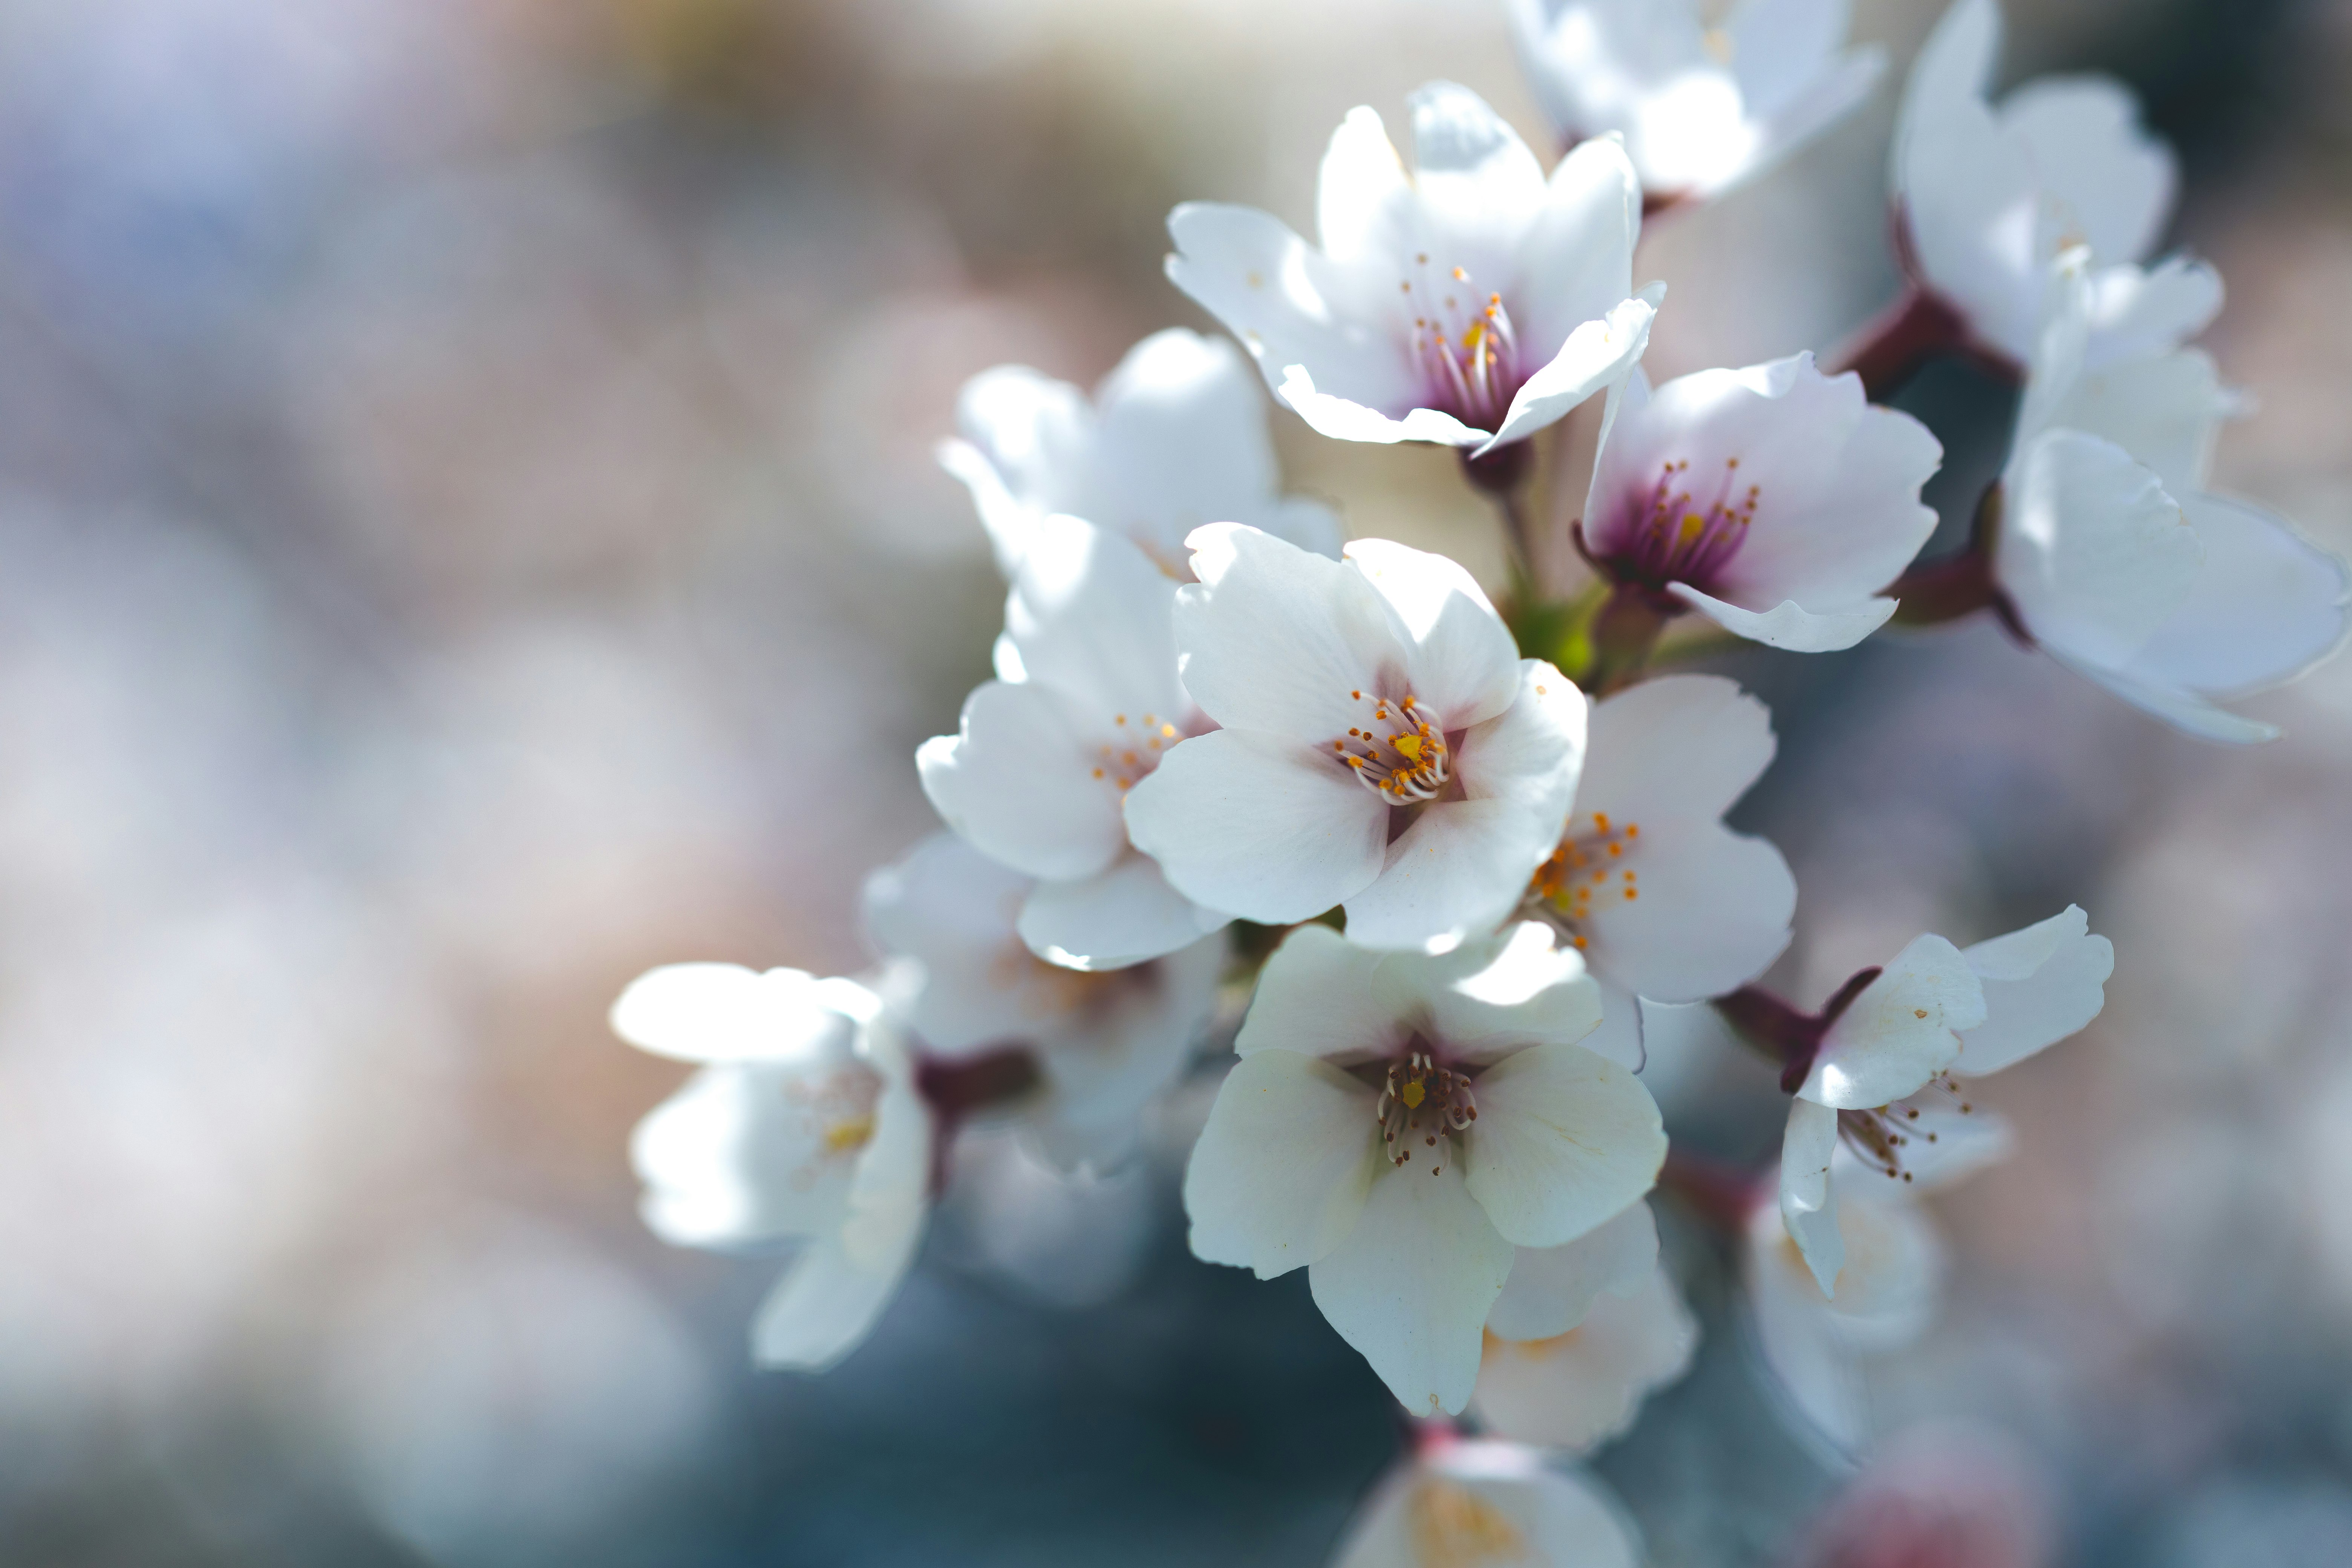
{"x": 1662, "y": 900}
{"x": 1038, "y": 772}
{"x": 1991, "y": 196}
{"x": 1887, "y": 1088}
{"x": 803, "y": 1122}
{"x": 1702, "y": 108}
{"x": 1471, "y": 302}
{"x": 1775, "y": 500}
{"x": 1383, "y": 746}
{"x": 1104, "y": 1046}
{"x": 2119, "y": 565}
{"x": 1402, "y": 1126}
{"x": 1889, "y": 1285}
{"x": 1457, "y": 1504}
{"x": 1175, "y": 436}
{"x": 1581, "y": 1335}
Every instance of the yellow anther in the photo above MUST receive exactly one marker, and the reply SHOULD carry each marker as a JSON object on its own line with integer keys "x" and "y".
{"x": 1411, "y": 746}
{"x": 1412, "y": 1094}
{"x": 844, "y": 1136}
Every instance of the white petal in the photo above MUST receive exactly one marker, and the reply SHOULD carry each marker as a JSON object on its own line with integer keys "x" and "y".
{"x": 1119, "y": 916}
{"x": 1364, "y": 198}
{"x": 1943, "y": 1143}
{"x": 1411, "y": 1284}
{"x": 1280, "y": 1174}
{"x": 1805, "y": 1359}
{"x": 1022, "y": 457}
{"x": 1596, "y": 354}
{"x": 1458, "y": 873}
{"x": 1018, "y": 782}
{"x": 1276, "y": 639}
{"x": 1259, "y": 826}
{"x": 1552, "y": 1287}
{"x": 1092, "y": 616}
{"x": 826, "y": 1304}
{"x": 724, "y": 1012}
{"x": 2268, "y": 605}
{"x": 1462, "y": 662}
{"x": 1789, "y": 624}
{"x": 1274, "y": 293}
{"x": 1461, "y": 1504}
{"x": 1489, "y": 999}
{"x": 2165, "y": 410}
{"x": 1477, "y": 180}
{"x": 1345, "y": 419}
{"x": 2184, "y": 710}
{"x": 1675, "y": 746}
{"x": 2139, "y": 311}
{"x": 1005, "y": 519}
{"x": 1808, "y": 1202}
{"x": 2094, "y": 553}
{"x": 1564, "y": 1141}
{"x": 1901, "y": 1031}
{"x": 1532, "y": 755}
{"x": 1581, "y": 1388}
{"x": 1714, "y": 911}
{"x": 1322, "y": 995}
{"x": 2040, "y": 984}
{"x": 1576, "y": 263}
{"x": 2113, "y": 181}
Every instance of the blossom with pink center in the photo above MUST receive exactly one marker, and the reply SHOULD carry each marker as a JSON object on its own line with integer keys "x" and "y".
{"x": 1886, "y": 1091}
{"x": 1775, "y": 500}
{"x": 1471, "y": 302}
{"x": 1037, "y": 773}
{"x": 1382, "y": 745}
{"x": 802, "y": 1122}
{"x": 1174, "y": 437}
{"x": 1408, "y": 1128}
{"x": 1702, "y": 108}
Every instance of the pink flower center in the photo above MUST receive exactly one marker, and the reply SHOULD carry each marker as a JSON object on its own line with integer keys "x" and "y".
{"x": 1134, "y": 749}
{"x": 1423, "y": 1106}
{"x": 1678, "y": 537}
{"x": 1398, "y": 752}
{"x": 1463, "y": 345}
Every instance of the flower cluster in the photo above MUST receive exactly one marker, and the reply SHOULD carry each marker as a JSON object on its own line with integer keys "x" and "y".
{"x": 1413, "y": 869}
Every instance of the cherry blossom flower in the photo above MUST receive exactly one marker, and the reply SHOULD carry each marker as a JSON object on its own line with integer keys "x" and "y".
{"x": 1036, "y": 774}
{"x": 1459, "y": 1504}
{"x": 1174, "y": 437}
{"x": 1991, "y": 196}
{"x": 1101, "y": 1047}
{"x": 802, "y": 1122}
{"x": 1775, "y": 500}
{"x": 1581, "y": 1335}
{"x": 1888, "y": 1087}
{"x": 1403, "y": 1125}
{"x": 1384, "y": 748}
{"x": 1663, "y": 900}
{"x": 1889, "y": 1286}
{"x": 1702, "y": 109}
{"x": 2112, "y": 557}
{"x": 1470, "y": 303}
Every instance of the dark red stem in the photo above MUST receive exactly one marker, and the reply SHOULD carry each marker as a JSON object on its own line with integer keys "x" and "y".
{"x": 1720, "y": 1193}
{"x": 1904, "y": 337}
{"x": 1781, "y": 1032}
{"x": 955, "y": 1089}
{"x": 1962, "y": 583}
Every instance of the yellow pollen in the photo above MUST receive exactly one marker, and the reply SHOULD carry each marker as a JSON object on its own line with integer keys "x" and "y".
{"x": 1601, "y": 820}
{"x": 1168, "y": 731}
{"x": 1121, "y": 719}
{"x": 1460, "y": 276}
{"x": 1411, "y": 746}
{"x": 844, "y": 1136}
{"x": 1412, "y": 1094}
{"x": 1919, "y": 1012}
{"x": 1693, "y": 526}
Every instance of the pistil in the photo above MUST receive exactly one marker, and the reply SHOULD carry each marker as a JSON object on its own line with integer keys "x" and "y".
{"x": 1422, "y": 1103}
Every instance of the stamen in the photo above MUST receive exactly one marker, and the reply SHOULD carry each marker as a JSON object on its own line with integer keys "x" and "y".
{"x": 1588, "y": 871}
{"x": 1408, "y": 763}
{"x": 1418, "y": 1095}
{"x": 1469, "y": 361}
{"x": 1677, "y": 539}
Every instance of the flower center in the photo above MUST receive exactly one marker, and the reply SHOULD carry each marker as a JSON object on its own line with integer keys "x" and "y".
{"x": 1463, "y": 345}
{"x": 1078, "y": 998}
{"x": 1452, "y": 1527}
{"x": 1134, "y": 750}
{"x": 1399, "y": 753}
{"x": 836, "y": 1110}
{"x": 1880, "y": 1137}
{"x": 1587, "y": 867}
{"x": 1681, "y": 539}
{"x": 1420, "y": 1103}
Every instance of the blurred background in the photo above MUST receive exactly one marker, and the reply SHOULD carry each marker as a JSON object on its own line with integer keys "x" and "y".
{"x": 468, "y": 533}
